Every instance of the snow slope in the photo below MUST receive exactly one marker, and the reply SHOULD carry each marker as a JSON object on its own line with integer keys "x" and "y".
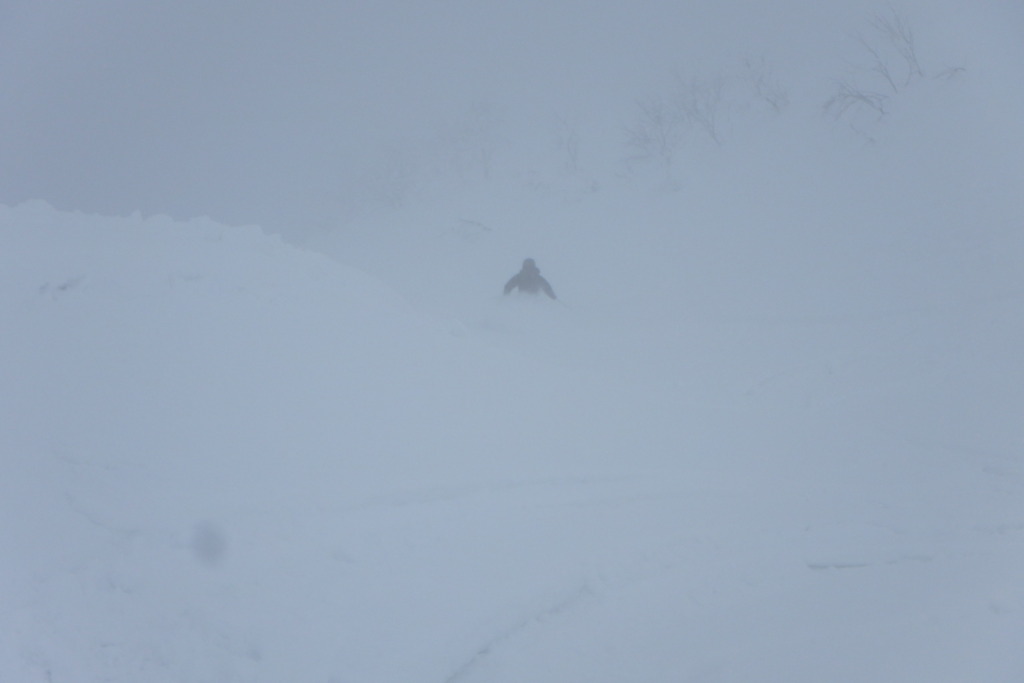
{"x": 231, "y": 459}
{"x": 771, "y": 431}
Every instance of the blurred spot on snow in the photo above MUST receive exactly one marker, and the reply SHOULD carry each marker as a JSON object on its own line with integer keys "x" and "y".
{"x": 62, "y": 287}
{"x": 208, "y": 543}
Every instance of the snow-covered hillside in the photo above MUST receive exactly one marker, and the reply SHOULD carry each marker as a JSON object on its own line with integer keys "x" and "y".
{"x": 229, "y": 459}
{"x": 771, "y": 429}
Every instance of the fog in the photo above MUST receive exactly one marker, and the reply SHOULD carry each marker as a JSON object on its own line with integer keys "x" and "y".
{"x": 256, "y": 112}
{"x": 266, "y": 414}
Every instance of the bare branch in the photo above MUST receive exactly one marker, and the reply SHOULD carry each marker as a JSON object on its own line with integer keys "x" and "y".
{"x": 848, "y": 97}
{"x": 896, "y": 30}
{"x": 890, "y": 45}
{"x": 656, "y": 132}
{"x": 699, "y": 103}
{"x": 766, "y": 87}
{"x": 881, "y": 64}
{"x": 951, "y": 73}
{"x": 567, "y": 138}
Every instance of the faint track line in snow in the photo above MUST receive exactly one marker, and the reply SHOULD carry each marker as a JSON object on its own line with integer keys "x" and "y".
{"x": 827, "y": 566}
{"x": 442, "y": 494}
{"x": 123, "y": 532}
{"x": 868, "y": 316}
{"x": 568, "y": 603}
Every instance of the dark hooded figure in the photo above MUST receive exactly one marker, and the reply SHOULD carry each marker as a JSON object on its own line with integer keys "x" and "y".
{"x": 529, "y": 280}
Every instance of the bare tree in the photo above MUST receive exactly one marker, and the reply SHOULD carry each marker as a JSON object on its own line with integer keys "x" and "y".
{"x": 471, "y": 142}
{"x": 663, "y": 124}
{"x": 656, "y": 134}
{"x": 895, "y": 34}
{"x": 893, "y": 66}
{"x": 765, "y": 85}
{"x": 567, "y": 139}
{"x": 699, "y": 103}
{"x": 849, "y": 97}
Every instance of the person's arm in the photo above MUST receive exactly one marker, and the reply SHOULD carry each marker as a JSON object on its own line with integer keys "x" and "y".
{"x": 512, "y": 284}
{"x": 547, "y": 288}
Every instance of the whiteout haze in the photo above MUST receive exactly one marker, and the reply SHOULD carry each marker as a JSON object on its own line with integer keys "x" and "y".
{"x": 771, "y": 429}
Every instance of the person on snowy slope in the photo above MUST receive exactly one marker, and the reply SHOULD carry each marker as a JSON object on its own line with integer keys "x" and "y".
{"x": 530, "y": 280}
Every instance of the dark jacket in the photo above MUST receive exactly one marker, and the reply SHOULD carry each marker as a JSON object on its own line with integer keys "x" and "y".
{"x": 529, "y": 280}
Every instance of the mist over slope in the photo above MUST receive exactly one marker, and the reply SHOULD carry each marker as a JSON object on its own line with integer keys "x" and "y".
{"x": 770, "y": 429}
{"x": 232, "y": 459}
{"x": 318, "y": 114}
{"x": 187, "y": 399}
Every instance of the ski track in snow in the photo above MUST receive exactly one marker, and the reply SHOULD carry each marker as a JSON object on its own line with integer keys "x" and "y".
{"x": 466, "y": 670}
